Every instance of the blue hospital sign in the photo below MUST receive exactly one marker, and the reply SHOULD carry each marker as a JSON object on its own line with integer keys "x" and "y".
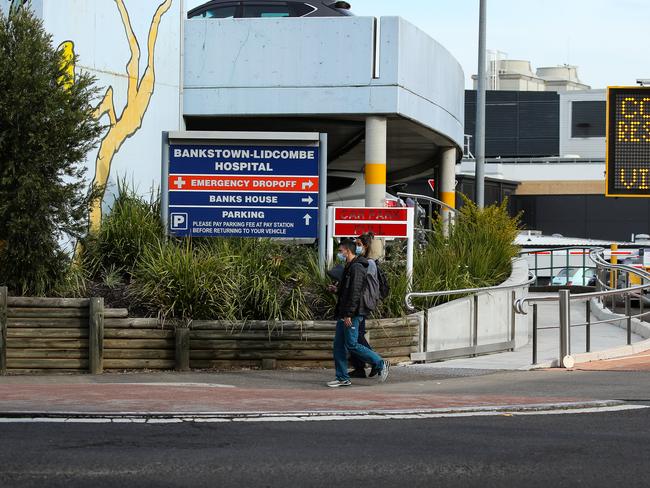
{"x": 243, "y": 190}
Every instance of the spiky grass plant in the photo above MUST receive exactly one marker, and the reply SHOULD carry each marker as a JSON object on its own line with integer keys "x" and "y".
{"x": 477, "y": 253}
{"x": 130, "y": 227}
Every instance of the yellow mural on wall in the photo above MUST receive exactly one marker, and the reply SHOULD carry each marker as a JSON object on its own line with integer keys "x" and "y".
{"x": 67, "y": 64}
{"x": 139, "y": 93}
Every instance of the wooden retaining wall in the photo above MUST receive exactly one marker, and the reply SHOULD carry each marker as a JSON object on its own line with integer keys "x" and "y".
{"x": 45, "y": 334}
{"x": 78, "y": 335}
{"x": 132, "y": 343}
{"x": 291, "y": 344}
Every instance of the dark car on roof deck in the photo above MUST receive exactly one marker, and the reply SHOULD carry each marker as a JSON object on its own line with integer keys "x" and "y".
{"x": 228, "y": 9}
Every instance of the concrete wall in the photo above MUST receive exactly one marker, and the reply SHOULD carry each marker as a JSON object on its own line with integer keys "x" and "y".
{"x": 542, "y": 171}
{"x": 585, "y": 147}
{"x": 321, "y": 66}
{"x": 450, "y": 325}
{"x": 102, "y": 41}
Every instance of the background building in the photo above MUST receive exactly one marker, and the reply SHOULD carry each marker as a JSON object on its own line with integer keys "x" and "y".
{"x": 517, "y": 75}
{"x": 548, "y": 135}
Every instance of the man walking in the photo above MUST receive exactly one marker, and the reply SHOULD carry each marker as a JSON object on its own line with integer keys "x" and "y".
{"x": 349, "y": 313}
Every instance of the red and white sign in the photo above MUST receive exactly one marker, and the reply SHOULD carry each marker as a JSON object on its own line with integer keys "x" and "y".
{"x": 432, "y": 184}
{"x": 382, "y": 221}
{"x": 388, "y": 222}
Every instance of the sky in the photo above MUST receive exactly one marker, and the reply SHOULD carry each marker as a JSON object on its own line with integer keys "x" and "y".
{"x": 606, "y": 39}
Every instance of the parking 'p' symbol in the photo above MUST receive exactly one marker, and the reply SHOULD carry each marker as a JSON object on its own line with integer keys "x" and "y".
{"x": 179, "y": 221}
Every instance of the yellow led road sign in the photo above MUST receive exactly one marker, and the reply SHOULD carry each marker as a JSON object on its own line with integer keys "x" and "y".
{"x": 628, "y": 142}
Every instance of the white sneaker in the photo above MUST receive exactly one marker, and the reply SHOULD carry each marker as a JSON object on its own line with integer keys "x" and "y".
{"x": 338, "y": 383}
{"x": 383, "y": 374}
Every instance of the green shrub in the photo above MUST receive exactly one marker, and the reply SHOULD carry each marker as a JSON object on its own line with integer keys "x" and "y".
{"x": 179, "y": 281}
{"x": 131, "y": 226}
{"x": 261, "y": 279}
{"x": 74, "y": 283}
{"x": 228, "y": 279}
{"x": 46, "y": 128}
{"x": 477, "y": 252}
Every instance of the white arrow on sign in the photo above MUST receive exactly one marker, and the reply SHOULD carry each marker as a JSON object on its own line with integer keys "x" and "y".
{"x": 307, "y": 218}
{"x": 307, "y": 185}
{"x": 309, "y": 200}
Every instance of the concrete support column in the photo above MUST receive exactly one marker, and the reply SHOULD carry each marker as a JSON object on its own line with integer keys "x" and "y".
{"x": 375, "y": 170}
{"x": 448, "y": 182}
{"x": 376, "y": 128}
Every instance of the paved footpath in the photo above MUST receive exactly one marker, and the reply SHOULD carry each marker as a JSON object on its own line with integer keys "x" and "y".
{"x": 272, "y": 392}
{"x": 637, "y": 362}
{"x": 209, "y": 398}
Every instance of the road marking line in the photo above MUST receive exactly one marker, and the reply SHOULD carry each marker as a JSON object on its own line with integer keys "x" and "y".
{"x": 333, "y": 417}
{"x": 190, "y": 385}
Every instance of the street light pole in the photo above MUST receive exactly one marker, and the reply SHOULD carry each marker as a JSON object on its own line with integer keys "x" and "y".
{"x": 480, "y": 109}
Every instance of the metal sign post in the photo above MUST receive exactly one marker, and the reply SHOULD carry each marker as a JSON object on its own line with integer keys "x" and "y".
{"x": 322, "y": 205}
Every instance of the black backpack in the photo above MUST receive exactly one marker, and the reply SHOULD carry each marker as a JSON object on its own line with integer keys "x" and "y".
{"x": 384, "y": 288}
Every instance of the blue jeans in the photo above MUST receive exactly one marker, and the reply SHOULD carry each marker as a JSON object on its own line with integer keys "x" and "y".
{"x": 345, "y": 341}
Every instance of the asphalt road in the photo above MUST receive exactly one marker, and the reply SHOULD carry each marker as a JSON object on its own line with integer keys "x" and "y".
{"x": 605, "y": 449}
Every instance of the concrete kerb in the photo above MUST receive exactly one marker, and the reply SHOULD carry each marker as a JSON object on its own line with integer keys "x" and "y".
{"x": 599, "y": 312}
{"x": 310, "y": 415}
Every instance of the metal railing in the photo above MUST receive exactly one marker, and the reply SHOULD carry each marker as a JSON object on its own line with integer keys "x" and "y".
{"x": 426, "y": 224}
{"x": 565, "y": 298}
{"x": 474, "y": 348}
{"x": 466, "y": 291}
{"x": 467, "y": 151}
{"x": 570, "y": 258}
{"x": 429, "y": 200}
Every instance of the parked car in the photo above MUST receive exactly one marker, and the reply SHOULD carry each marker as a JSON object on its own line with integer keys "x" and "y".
{"x": 574, "y": 277}
{"x": 228, "y": 9}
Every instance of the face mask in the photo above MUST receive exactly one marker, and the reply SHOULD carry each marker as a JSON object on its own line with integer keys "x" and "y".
{"x": 359, "y": 250}
{"x": 341, "y": 257}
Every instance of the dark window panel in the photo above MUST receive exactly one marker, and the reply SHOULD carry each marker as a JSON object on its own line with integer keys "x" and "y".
{"x": 538, "y": 148}
{"x": 223, "y": 12}
{"x": 267, "y": 11}
{"x": 519, "y": 124}
{"x": 539, "y": 120}
{"x": 588, "y": 119}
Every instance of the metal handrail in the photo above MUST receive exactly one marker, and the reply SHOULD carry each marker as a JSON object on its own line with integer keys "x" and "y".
{"x": 520, "y": 304}
{"x": 466, "y": 291}
{"x": 564, "y": 297}
{"x": 430, "y": 199}
{"x": 594, "y": 255}
{"x": 564, "y": 248}
{"x": 536, "y": 253}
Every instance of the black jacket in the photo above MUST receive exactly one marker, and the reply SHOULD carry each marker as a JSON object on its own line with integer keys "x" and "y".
{"x": 349, "y": 303}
